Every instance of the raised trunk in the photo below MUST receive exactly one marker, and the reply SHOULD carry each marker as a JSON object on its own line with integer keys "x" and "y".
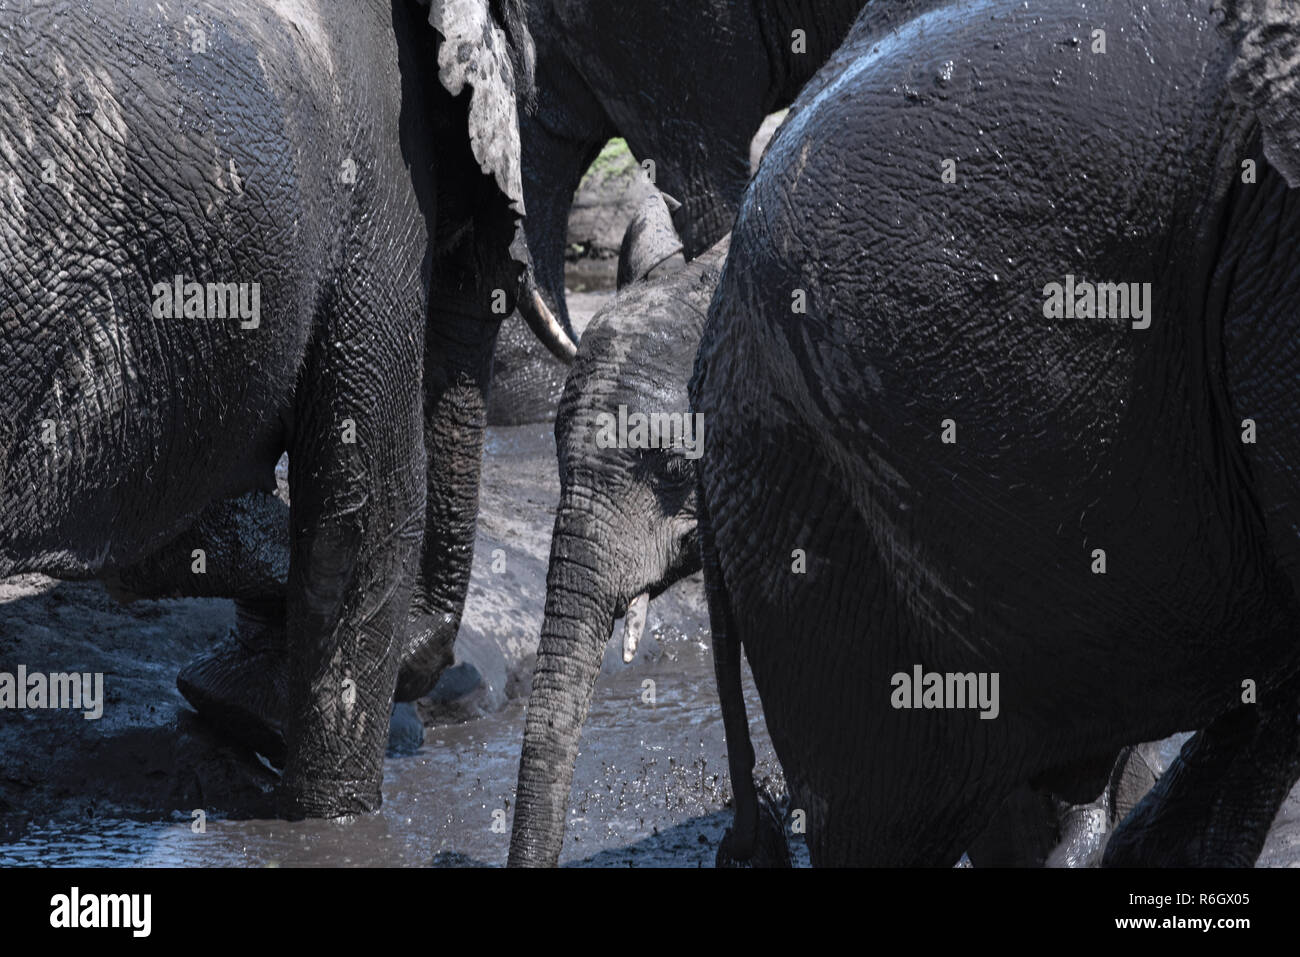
{"x": 580, "y": 608}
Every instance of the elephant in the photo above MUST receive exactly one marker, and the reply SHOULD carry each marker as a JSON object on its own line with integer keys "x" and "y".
{"x": 273, "y": 227}
{"x": 625, "y": 524}
{"x": 590, "y": 71}
{"x": 239, "y": 684}
{"x": 590, "y": 74}
{"x": 969, "y": 538}
{"x": 627, "y": 529}
{"x": 687, "y": 85}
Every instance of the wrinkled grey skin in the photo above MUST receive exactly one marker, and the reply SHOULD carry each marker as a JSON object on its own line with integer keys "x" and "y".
{"x": 687, "y": 84}
{"x": 625, "y": 525}
{"x": 632, "y": 512}
{"x": 925, "y": 301}
{"x": 558, "y": 141}
{"x": 237, "y": 684}
{"x": 226, "y": 164}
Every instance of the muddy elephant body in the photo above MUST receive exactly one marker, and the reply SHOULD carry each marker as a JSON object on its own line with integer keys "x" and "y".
{"x": 919, "y": 459}
{"x": 223, "y": 247}
{"x": 627, "y": 530}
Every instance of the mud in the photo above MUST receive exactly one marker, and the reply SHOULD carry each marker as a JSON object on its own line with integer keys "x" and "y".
{"x": 649, "y": 790}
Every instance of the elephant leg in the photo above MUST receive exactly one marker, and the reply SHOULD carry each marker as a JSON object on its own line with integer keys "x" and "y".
{"x": 1216, "y": 803}
{"x": 1085, "y": 828}
{"x": 472, "y": 288}
{"x": 456, "y": 380}
{"x": 238, "y": 549}
{"x": 240, "y": 684}
{"x": 356, "y": 515}
{"x": 1035, "y": 827}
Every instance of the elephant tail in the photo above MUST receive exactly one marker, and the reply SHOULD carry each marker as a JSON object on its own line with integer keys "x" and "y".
{"x": 756, "y": 837}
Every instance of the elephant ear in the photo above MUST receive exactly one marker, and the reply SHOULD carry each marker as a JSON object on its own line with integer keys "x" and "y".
{"x": 1265, "y": 73}
{"x": 650, "y": 239}
{"x": 486, "y": 45}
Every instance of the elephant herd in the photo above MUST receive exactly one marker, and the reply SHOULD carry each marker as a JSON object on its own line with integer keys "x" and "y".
{"x": 970, "y": 403}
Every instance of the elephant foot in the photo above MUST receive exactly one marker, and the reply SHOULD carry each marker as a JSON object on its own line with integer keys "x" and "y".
{"x": 770, "y": 847}
{"x": 327, "y": 798}
{"x": 240, "y": 686}
{"x": 405, "y": 730}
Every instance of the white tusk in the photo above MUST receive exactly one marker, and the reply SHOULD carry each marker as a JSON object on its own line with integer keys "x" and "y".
{"x": 634, "y": 624}
{"x": 548, "y": 329}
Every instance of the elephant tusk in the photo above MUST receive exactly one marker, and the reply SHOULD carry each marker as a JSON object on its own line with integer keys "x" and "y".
{"x": 546, "y": 327}
{"x": 634, "y": 624}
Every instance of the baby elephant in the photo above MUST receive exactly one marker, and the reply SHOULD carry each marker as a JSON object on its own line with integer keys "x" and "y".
{"x": 625, "y": 526}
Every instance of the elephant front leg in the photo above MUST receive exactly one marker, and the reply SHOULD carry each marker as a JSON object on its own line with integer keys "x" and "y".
{"x": 355, "y": 523}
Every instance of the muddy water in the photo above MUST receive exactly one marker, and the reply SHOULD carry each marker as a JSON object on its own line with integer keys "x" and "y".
{"x": 649, "y": 790}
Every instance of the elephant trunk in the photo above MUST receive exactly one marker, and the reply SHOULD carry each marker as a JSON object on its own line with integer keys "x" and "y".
{"x": 458, "y": 364}
{"x": 580, "y": 611}
{"x": 553, "y": 166}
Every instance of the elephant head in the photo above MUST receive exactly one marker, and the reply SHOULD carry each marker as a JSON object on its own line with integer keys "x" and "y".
{"x": 1265, "y": 74}
{"x": 488, "y": 48}
{"x": 625, "y": 529}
